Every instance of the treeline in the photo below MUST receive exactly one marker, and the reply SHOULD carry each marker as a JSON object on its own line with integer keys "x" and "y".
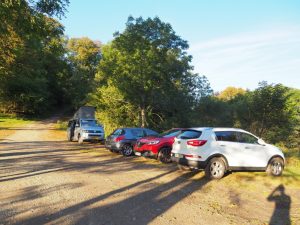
{"x": 143, "y": 77}
{"x": 40, "y": 68}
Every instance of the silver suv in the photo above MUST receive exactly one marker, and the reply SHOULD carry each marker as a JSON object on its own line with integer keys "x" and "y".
{"x": 218, "y": 150}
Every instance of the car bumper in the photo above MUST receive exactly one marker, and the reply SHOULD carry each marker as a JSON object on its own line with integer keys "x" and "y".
{"x": 114, "y": 146}
{"x": 188, "y": 162}
{"x": 145, "y": 153}
{"x": 90, "y": 137}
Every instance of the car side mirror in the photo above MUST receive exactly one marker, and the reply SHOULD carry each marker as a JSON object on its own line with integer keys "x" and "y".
{"x": 261, "y": 142}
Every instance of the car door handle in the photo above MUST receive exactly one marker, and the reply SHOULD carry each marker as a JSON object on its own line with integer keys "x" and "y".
{"x": 247, "y": 147}
{"x": 223, "y": 145}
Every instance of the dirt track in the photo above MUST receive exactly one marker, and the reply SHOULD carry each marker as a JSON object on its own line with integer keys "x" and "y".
{"x": 46, "y": 180}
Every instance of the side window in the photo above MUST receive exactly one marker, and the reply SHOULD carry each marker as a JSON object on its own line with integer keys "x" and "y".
{"x": 226, "y": 136}
{"x": 189, "y": 134}
{"x": 137, "y": 133}
{"x": 150, "y": 132}
{"x": 247, "y": 138}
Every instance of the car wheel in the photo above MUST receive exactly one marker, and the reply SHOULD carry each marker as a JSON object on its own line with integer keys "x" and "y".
{"x": 164, "y": 155}
{"x": 127, "y": 150}
{"x": 69, "y": 137}
{"x": 80, "y": 139}
{"x": 215, "y": 168}
{"x": 275, "y": 167}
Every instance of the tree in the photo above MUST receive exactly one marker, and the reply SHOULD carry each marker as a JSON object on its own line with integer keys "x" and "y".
{"x": 230, "y": 93}
{"x": 84, "y": 56}
{"x": 265, "y": 112}
{"x": 148, "y": 64}
{"x": 32, "y": 65}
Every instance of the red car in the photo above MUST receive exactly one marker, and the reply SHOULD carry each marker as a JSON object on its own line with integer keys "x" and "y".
{"x": 159, "y": 147}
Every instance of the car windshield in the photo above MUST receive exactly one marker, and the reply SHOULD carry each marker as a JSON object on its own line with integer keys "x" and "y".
{"x": 89, "y": 123}
{"x": 170, "y": 133}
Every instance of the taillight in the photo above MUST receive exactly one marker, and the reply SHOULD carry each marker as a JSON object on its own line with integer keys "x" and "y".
{"x": 193, "y": 156}
{"x": 196, "y": 142}
{"x": 120, "y": 138}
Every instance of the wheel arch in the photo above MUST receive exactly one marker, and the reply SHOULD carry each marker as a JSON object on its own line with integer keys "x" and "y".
{"x": 217, "y": 155}
{"x": 164, "y": 146}
{"x": 277, "y": 156}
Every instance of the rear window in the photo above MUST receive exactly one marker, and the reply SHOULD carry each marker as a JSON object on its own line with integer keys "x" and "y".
{"x": 118, "y": 132}
{"x": 189, "y": 134}
{"x": 137, "y": 133}
{"x": 226, "y": 136}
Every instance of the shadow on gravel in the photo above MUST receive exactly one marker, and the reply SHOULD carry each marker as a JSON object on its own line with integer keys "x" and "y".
{"x": 27, "y": 159}
{"x": 20, "y": 160}
{"x": 140, "y": 208}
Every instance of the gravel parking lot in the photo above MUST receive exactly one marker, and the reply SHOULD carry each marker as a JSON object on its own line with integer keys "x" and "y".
{"x": 47, "y": 180}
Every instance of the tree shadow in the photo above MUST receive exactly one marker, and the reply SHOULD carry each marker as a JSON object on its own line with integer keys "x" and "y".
{"x": 281, "y": 214}
{"x": 149, "y": 203}
{"x": 20, "y": 160}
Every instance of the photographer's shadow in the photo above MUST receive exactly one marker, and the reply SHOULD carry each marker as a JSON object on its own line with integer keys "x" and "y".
{"x": 281, "y": 214}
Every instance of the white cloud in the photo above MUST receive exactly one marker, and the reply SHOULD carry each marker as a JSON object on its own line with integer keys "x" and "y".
{"x": 243, "y": 60}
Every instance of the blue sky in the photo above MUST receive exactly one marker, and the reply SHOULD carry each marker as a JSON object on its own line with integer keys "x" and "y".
{"x": 233, "y": 43}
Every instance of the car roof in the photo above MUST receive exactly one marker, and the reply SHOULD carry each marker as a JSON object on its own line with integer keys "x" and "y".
{"x": 227, "y": 129}
{"x": 218, "y": 129}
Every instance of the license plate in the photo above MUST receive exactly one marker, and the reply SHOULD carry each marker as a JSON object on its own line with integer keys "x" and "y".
{"x": 178, "y": 155}
{"x": 94, "y": 138}
{"x": 138, "y": 153}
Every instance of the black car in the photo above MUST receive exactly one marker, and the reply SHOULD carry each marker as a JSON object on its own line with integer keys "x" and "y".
{"x": 123, "y": 139}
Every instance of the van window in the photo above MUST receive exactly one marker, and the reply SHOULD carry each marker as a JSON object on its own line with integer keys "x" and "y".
{"x": 226, "y": 136}
{"x": 189, "y": 134}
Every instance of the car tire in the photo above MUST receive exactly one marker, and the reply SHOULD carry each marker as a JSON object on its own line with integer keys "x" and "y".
{"x": 215, "y": 169}
{"x": 164, "y": 155}
{"x": 127, "y": 150}
{"x": 69, "y": 137}
{"x": 275, "y": 167}
{"x": 80, "y": 139}
{"x": 184, "y": 168}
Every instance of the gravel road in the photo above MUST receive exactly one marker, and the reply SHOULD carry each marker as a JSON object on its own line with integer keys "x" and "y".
{"x": 46, "y": 180}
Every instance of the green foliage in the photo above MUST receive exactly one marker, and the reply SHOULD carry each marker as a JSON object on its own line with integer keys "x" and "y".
{"x": 265, "y": 112}
{"x": 32, "y": 68}
{"x": 83, "y": 56}
{"x": 150, "y": 69}
{"x": 270, "y": 111}
{"x": 112, "y": 109}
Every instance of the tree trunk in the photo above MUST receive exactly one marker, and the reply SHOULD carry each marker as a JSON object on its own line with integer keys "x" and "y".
{"x": 143, "y": 117}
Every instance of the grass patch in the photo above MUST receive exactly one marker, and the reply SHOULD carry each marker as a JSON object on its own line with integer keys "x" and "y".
{"x": 61, "y": 125}
{"x": 10, "y": 123}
